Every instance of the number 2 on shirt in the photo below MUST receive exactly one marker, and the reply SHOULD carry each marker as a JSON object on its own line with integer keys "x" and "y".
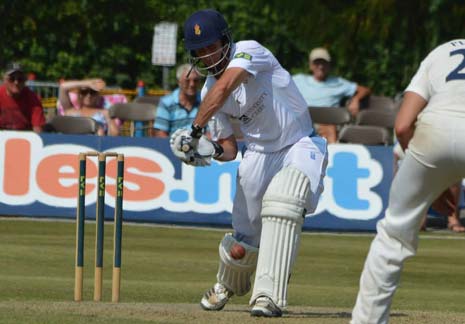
{"x": 455, "y": 73}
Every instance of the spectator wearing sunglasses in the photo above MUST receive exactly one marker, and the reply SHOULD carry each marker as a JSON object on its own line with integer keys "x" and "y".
{"x": 90, "y": 103}
{"x": 20, "y": 108}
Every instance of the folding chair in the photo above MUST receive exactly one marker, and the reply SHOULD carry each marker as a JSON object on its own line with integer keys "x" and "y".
{"x": 138, "y": 117}
{"x": 377, "y": 117}
{"x": 329, "y": 115}
{"x": 366, "y": 135}
{"x": 154, "y": 100}
{"x": 72, "y": 125}
{"x": 381, "y": 103}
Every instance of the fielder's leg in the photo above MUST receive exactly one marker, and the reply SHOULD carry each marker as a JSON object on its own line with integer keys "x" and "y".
{"x": 237, "y": 264}
{"x": 396, "y": 239}
{"x": 283, "y": 212}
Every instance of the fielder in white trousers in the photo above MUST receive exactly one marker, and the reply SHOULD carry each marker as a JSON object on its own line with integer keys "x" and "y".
{"x": 435, "y": 159}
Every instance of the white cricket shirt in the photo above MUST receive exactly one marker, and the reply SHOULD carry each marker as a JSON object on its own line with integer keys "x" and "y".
{"x": 441, "y": 80}
{"x": 272, "y": 112}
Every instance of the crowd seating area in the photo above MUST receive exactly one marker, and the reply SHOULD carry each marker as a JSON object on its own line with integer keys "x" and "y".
{"x": 48, "y": 93}
{"x": 374, "y": 125}
{"x": 136, "y": 112}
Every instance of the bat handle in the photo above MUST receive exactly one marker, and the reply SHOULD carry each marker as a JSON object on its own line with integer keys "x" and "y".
{"x": 188, "y": 144}
{"x": 185, "y": 147}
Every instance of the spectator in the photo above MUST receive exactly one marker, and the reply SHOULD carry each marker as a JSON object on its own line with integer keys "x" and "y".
{"x": 89, "y": 103}
{"x": 448, "y": 204}
{"x": 20, "y": 108}
{"x": 324, "y": 90}
{"x": 179, "y": 108}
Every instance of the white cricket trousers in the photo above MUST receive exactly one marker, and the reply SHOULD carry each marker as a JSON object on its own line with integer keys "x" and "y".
{"x": 434, "y": 161}
{"x": 256, "y": 170}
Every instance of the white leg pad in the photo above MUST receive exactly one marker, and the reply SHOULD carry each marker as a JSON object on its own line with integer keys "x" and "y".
{"x": 283, "y": 213}
{"x": 235, "y": 274}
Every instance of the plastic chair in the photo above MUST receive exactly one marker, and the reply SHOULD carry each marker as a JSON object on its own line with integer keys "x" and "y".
{"x": 381, "y": 103}
{"x": 329, "y": 115}
{"x": 377, "y": 117}
{"x": 154, "y": 100}
{"x": 138, "y": 117}
{"x": 366, "y": 135}
{"x": 71, "y": 125}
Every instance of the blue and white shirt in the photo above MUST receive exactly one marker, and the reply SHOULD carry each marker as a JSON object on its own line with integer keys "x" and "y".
{"x": 171, "y": 115}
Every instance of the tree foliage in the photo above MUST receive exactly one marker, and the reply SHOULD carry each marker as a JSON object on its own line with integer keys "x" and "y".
{"x": 378, "y": 43}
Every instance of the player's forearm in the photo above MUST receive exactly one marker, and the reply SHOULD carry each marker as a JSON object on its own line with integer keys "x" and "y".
{"x": 229, "y": 146}
{"x": 411, "y": 106}
{"x": 405, "y": 137}
{"x": 218, "y": 94}
{"x": 227, "y": 156}
{"x": 212, "y": 102}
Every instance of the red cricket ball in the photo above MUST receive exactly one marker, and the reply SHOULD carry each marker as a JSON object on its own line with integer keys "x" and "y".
{"x": 237, "y": 251}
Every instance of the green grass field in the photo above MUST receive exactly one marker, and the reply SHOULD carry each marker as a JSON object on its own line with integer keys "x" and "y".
{"x": 166, "y": 270}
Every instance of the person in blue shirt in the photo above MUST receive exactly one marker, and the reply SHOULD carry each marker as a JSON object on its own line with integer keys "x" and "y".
{"x": 320, "y": 89}
{"x": 179, "y": 108}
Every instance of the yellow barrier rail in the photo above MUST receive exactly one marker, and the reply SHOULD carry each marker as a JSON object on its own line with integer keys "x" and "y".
{"x": 133, "y": 93}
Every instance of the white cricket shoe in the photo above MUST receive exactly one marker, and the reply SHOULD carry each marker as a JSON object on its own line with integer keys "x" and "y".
{"x": 265, "y": 307}
{"x": 215, "y": 298}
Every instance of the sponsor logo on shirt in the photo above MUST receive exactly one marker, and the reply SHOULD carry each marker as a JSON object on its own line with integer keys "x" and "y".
{"x": 245, "y": 119}
{"x": 244, "y": 56}
{"x": 255, "y": 109}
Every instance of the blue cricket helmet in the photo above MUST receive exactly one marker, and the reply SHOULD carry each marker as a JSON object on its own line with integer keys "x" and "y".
{"x": 203, "y": 28}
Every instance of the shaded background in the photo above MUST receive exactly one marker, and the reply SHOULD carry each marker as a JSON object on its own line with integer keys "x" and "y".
{"x": 378, "y": 43}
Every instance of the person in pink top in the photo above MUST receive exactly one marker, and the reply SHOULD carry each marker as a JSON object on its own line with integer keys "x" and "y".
{"x": 83, "y": 98}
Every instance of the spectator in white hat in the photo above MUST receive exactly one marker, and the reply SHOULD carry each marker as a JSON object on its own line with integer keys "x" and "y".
{"x": 320, "y": 89}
